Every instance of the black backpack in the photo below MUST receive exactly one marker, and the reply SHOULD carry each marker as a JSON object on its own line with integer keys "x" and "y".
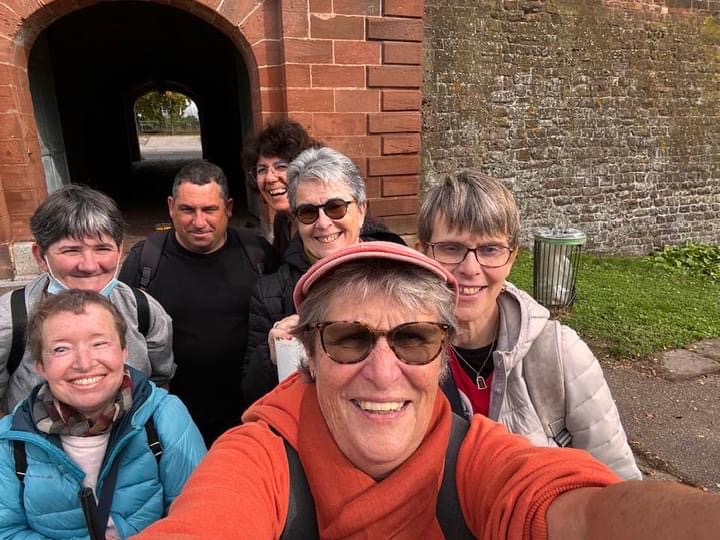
{"x": 18, "y": 311}
{"x": 301, "y": 521}
{"x": 155, "y": 243}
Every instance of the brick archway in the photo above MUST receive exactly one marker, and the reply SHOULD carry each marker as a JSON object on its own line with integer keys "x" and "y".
{"x": 349, "y": 70}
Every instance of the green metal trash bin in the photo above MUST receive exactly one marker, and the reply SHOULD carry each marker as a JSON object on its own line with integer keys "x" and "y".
{"x": 556, "y": 262}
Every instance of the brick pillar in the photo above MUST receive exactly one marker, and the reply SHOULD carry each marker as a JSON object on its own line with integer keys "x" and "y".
{"x": 352, "y": 76}
{"x": 21, "y": 175}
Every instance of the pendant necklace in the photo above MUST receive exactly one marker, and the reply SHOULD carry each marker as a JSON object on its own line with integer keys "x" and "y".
{"x": 480, "y": 381}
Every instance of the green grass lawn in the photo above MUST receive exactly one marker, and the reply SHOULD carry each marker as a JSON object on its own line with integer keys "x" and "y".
{"x": 627, "y": 307}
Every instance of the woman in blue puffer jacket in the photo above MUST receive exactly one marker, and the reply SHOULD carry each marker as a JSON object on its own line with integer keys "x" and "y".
{"x": 89, "y": 436}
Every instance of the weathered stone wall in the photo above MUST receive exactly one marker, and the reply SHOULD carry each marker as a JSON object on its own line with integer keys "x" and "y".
{"x": 602, "y": 116}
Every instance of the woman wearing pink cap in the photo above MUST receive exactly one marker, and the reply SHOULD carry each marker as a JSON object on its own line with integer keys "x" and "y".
{"x": 362, "y": 444}
{"x": 470, "y": 224}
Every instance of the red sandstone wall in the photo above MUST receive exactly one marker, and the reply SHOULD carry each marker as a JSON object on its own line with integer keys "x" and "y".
{"x": 352, "y": 73}
{"x": 349, "y": 70}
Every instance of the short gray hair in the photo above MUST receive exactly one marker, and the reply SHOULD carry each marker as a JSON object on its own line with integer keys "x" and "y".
{"x": 328, "y": 166}
{"x": 201, "y": 172}
{"x": 402, "y": 285}
{"x": 470, "y": 201}
{"x": 76, "y": 211}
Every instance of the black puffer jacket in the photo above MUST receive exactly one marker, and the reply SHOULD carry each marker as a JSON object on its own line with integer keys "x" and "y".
{"x": 271, "y": 302}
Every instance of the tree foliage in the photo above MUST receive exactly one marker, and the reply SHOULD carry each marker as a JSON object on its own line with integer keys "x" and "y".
{"x": 160, "y": 109}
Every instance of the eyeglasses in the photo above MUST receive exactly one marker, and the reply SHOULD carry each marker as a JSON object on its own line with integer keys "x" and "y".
{"x": 489, "y": 256}
{"x": 333, "y": 208}
{"x": 414, "y": 343}
{"x": 259, "y": 172}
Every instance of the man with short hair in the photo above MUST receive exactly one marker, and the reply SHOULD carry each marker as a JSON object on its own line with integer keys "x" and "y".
{"x": 203, "y": 273}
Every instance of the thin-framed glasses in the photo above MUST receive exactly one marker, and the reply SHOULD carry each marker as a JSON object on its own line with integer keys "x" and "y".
{"x": 259, "y": 172}
{"x": 489, "y": 256}
{"x": 414, "y": 343}
{"x": 333, "y": 208}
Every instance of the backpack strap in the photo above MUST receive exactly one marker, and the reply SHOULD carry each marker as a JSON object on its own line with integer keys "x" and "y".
{"x": 448, "y": 511}
{"x": 153, "y": 439}
{"x": 143, "y": 311}
{"x": 150, "y": 256}
{"x": 20, "y": 460}
{"x": 97, "y": 514}
{"x": 448, "y": 386}
{"x": 18, "y": 311}
{"x": 543, "y": 373}
{"x": 252, "y": 247}
{"x": 301, "y": 521}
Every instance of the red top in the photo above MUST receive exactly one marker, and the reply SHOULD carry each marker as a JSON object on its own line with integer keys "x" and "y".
{"x": 479, "y": 399}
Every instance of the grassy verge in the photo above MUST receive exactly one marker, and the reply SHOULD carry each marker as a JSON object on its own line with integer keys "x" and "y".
{"x": 629, "y": 308}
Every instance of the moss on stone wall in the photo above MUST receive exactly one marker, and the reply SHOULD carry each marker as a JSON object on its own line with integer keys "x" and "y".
{"x": 603, "y": 117}
{"x": 711, "y": 30}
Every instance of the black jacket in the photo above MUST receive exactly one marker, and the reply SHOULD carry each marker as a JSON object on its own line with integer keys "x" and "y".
{"x": 271, "y": 302}
{"x": 208, "y": 297}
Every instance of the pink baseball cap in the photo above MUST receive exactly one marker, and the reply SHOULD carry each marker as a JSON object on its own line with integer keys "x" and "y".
{"x": 369, "y": 250}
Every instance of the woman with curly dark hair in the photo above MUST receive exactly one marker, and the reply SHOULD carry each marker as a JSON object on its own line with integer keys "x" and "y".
{"x": 267, "y": 158}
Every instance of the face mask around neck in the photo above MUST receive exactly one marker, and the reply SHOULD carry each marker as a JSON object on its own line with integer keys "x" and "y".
{"x": 56, "y": 286}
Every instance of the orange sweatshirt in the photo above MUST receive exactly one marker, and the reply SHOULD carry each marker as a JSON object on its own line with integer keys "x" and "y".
{"x": 240, "y": 490}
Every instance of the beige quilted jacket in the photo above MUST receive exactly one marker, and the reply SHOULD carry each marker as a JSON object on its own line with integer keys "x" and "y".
{"x": 591, "y": 415}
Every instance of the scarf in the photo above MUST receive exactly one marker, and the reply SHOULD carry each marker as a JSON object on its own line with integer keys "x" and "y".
{"x": 54, "y": 417}
{"x": 351, "y": 504}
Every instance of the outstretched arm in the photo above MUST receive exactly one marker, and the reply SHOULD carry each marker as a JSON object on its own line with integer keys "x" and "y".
{"x": 240, "y": 490}
{"x": 635, "y": 510}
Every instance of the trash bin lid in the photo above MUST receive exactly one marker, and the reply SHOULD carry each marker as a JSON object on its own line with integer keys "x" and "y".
{"x": 563, "y": 236}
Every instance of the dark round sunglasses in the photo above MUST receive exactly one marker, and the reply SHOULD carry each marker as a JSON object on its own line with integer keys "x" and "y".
{"x": 414, "y": 343}
{"x": 333, "y": 208}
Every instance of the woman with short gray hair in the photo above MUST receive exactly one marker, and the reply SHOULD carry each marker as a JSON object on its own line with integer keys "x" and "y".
{"x": 328, "y": 202}
{"x": 509, "y": 361}
{"x": 78, "y": 235}
{"x": 325, "y": 165}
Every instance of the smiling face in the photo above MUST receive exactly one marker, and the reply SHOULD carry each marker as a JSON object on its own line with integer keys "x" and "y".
{"x": 82, "y": 359}
{"x": 377, "y": 410}
{"x": 271, "y": 178}
{"x": 200, "y": 216}
{"x": 327, "y": 236}
{"x": 479, "y": 286}
{"x": 87, "y": 263}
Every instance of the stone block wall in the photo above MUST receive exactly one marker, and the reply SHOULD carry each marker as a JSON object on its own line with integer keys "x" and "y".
{"x": 603, "y": 116}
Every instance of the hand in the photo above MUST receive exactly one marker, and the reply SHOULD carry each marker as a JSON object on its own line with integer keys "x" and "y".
{"x": 281, "y": 330}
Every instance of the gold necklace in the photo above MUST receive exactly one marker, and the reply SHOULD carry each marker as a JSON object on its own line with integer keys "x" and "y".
{"x": 480, "y": 381}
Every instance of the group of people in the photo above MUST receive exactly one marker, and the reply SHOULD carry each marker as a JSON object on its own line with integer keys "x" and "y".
{"x": 431, "y": 401}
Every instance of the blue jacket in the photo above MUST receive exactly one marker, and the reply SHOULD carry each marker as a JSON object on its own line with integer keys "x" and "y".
{"x": 50, "y": 507}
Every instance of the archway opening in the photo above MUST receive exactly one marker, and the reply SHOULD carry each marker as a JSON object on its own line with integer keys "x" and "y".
{"x": 92, "y": 65}
{"x": 167, "y": 124}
